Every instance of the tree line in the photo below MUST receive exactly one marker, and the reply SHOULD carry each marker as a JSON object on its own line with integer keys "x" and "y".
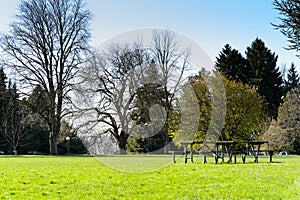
{"x": 135, "y": 93}
{"x": 22, "y": 129}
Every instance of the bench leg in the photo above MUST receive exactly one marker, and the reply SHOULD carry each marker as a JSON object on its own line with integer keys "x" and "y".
{"x": 191, "y": 153}
{"x": 243, "y": 158}
{"x": 204, "y": 159}
{"x": 185, "y": 154}
{"x": 256, "y": 158}
{"x": 230, "y": 158}
{"x": 216, "y": 159}
{"x": 173, "y": 155}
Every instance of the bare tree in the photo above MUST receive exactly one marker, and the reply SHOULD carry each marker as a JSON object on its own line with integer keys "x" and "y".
{"x": 45, "y": 47}
{"x": 110, "y": 82}
{"x": 113, "y": 78}
{"x": 172, "y": 62}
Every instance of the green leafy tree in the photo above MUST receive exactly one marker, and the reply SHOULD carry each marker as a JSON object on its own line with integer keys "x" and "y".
{"x": 148, "y": 115}
{"x": 195, "y": 106}
{"x": 288, "y": 121}
{"x": 69, "y": 141}
{"x": 265, "y": 75}
{"x": 36, "y": 129}
{"x": 245, "y": 111}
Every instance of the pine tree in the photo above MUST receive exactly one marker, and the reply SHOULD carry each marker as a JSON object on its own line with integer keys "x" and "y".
{"x": 264, "y": 74}
{"x": 292, "y": 79}
{"x": 232, "y": 64}
{"x": 2, "y": 106}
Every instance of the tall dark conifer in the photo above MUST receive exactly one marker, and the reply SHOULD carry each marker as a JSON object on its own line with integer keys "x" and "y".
{"x": 292, "y": 79}
{"x": 2, "y": 106}
{"x": 232, "y": 64}
{"x": 264, "y": 74}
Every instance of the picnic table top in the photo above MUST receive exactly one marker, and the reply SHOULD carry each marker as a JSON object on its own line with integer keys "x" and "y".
{"x": 258, "y": 142}
{"x": 255, "y": 142}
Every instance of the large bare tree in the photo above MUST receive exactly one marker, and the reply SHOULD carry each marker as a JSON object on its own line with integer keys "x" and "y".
{"x": 172, "y": 61}
{"x": 110, "y": 82}
{"x": 45, "y": 47}
{"x": 114, "y": 77}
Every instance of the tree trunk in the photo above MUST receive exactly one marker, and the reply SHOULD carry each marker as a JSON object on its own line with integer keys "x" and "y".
{"x": 53, "y": 144}
{"x": 166, "y": 135}
{"x": 122, "y": 141}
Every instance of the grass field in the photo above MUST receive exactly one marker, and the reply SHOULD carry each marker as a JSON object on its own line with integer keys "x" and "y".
{"x": 84, "y": 177}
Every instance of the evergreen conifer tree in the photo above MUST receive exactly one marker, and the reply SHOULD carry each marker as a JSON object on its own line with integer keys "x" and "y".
{"x": 232, "y": 64}
{"x": 264, "y": 74}
{"x": 292, "y": 79}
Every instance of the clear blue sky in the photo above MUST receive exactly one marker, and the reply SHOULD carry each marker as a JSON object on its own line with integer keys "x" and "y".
{"x": 210, "y": 23}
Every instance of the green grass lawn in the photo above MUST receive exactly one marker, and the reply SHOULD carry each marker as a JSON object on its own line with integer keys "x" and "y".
{"x": 84, "y": 177}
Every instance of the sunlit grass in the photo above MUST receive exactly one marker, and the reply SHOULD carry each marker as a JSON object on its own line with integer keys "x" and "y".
{"x": 84, "y": 177}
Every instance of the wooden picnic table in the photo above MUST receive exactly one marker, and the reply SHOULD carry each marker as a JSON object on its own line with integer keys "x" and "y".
{"x": 222, "y": 147}
{"x": 226, "y": 146}
{"x": 256, "y": 148}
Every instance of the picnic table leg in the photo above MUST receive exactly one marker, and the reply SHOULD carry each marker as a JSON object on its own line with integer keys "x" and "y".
{"x": 204, "y": 159}
{"x": 256, "y": 155}
{"x": 185, "y": 153}
{"x": 216, "y": 158}
{"x": 173, "y": 154}
{"x": 271, "y": 154}
{"x": 216, "y": 154}
{"x": 243, "y": 158}
{"x": 191, "y": 153}
{"x": 230, "y": 158}
{"x": 223, "y": 153}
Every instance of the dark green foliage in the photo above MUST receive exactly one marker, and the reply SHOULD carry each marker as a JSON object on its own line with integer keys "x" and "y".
{"x": 147, "y": 96}
{"x": 39, "y": 103}
{"x": 292, "y": 79}
{"x": 232, "y": 64}
{"x": 264, "y": 74}
{"x": 258, "y": 69}
{"x": 11, "y": 124}
{"x": 74, "y": 143}
{"x": 37, "y": 141}
{"x": 147, "y": 138}
{"x": 3, "y": 143}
